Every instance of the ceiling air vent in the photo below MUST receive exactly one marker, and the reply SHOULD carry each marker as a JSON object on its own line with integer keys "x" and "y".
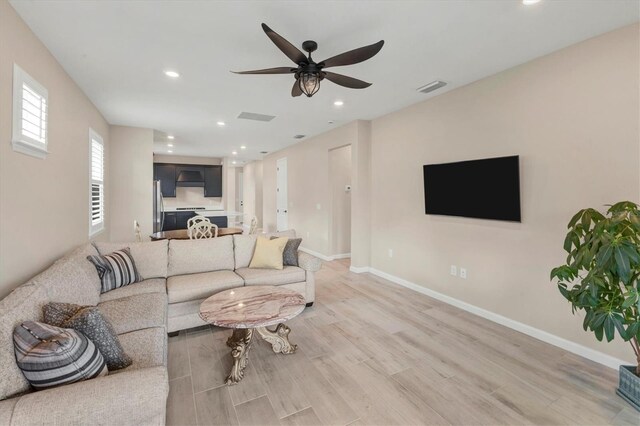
{"x": 299, "y": 136}
{"x": 255, "y": 117}
{"x": 264, "y": 152}
{"x": 434, "y": 85}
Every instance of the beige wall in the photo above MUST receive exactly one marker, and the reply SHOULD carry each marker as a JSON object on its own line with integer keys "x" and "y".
{"x": 44, "y": 204}
{"x": 573, "y": 117}
{"x": 309, "y": 194}
{"x": 131, "y": 171}
{"x": 229, "y": 185}
{"x": 340, "y": 217}
{"x": 252, "y": 191}
{"x": 361, "y": 197}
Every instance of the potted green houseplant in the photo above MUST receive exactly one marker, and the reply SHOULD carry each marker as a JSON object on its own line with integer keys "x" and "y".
{"x": 601, "y": 276}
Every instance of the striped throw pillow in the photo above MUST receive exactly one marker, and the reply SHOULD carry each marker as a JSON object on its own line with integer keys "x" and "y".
{"x": 50, "y": 356}
{"x": 116, "y": 269}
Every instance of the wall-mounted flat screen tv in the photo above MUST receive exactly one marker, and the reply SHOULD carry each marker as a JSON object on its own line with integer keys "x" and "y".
{"x": 484, "y": 189}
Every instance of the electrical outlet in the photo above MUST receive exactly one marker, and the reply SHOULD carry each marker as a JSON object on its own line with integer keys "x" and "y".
{"x": 454, "y": 270}
{"x": 390, "y": 252}
{"x": 463, "y": 273}
{"x": 318, "y": 206}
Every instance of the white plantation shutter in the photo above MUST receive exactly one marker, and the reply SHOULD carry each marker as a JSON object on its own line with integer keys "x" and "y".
{"x": 97, "y": 183}
{"x": 30, "y": 114}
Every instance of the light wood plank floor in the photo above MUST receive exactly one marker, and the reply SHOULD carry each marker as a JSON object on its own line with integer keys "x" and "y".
{"x": 374, "y": 353}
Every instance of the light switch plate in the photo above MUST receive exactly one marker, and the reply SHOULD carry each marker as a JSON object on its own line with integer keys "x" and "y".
{"x": 454, "y": 270}
{"x": 463, "y": 273}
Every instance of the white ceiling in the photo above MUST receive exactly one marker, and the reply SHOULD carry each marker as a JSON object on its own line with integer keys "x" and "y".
{"x": 117, "y": 51}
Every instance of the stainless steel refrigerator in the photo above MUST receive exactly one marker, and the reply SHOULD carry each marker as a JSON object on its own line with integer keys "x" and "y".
{"x": 158, "y": 207}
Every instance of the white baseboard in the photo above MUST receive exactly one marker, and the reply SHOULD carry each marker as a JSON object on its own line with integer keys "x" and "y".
{"x": 341, "y": 256}
{"x": 316, "y": 254}
{"x": 583, "y": 351}
{"x": 323, "y": 257}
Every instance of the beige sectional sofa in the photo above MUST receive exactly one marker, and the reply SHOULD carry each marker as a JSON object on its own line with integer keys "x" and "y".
{"x": 178, "y": 276}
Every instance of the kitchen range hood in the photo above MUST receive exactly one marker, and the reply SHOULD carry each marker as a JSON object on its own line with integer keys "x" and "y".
{"x": 190, "y": 178}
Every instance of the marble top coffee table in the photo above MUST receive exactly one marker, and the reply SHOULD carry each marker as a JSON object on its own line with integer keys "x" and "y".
{"x": 252, "y": 309}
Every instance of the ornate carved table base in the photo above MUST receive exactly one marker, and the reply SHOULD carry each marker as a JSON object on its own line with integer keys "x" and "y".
{"x": 240, "y": 344}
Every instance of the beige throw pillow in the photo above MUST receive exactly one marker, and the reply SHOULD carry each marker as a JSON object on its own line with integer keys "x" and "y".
{"x": 268, "y": 253}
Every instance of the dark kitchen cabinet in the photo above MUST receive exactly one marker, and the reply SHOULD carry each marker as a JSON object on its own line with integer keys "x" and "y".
{"x": 221, "y": 221}
{"x": 182, "y": 218}
{"x": 169, "y": 221}
{"x": 166, "y": 174}
{"x": 213, "y": 181}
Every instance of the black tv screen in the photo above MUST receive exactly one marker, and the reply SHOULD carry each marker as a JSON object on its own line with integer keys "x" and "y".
{"x": 484, "y": 189}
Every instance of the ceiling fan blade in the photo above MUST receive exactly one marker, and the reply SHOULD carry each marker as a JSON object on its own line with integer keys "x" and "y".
{"x": 353, "y": 56}
{"x": 279, "y": 70}
{"x": 343, "y": 80}
{"x": 287, "y": 48}
{"x": 295, "y": 90}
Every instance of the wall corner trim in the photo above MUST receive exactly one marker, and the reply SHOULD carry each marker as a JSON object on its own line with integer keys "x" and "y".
{"x": 583, "y": 351}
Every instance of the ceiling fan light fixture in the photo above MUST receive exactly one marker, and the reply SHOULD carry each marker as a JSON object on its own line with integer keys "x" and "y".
{"x": 309, "y": 83}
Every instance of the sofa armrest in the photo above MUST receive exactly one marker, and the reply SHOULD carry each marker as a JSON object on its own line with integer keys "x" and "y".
{"x": 136, "y": 397}
{"x": 308, "y": 262}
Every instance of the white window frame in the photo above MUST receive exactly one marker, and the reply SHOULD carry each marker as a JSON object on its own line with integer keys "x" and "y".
{"x": 21, "y": 142}
{"x": 95, "y": 228}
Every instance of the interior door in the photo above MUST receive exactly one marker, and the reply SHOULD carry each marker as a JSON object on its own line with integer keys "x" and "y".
{"x": 282, "y": 212}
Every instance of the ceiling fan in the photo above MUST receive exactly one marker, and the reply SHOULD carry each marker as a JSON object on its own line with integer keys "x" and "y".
{"x": 309, "y": 74}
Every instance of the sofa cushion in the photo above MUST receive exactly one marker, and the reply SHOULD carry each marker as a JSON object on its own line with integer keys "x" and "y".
{"x": 268, "y": 253}
{"x": 153, "y": 285}
{"x": 22, "y": 304}
{"x": 116, "y": 269}
{"x": 89, "y": 321}
{"x": 72, "y": 279}
{"x": 136, "y": 312}
{"x": 52, "y": 356}
{"x": 151, "y": 257}
{"x": 206, "y": 255}
{"x": 243, "y": 247}
{"x": 183, "y": 288}
{"x": 290, "y": 253}
{"x": 147, "y": 348}
{"x": 6, "y": 410}
{"x": 287, "y": 275}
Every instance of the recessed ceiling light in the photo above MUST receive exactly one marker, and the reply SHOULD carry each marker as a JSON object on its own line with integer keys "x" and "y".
{"x": 243, "y": 147}
{"x": 338, "y": 103}
{"x": 171, "y": 137}
{"x": 221, "y": 123}
{"x": 172, "y": 74}
{"x": 233, "y": 162}
{"x": 530, "y": 2}
{"x": 330, "y": 121}
{"x": 170, "y": 145}
{"x": 234, "y": 152}
{"x": 169, "y": 151}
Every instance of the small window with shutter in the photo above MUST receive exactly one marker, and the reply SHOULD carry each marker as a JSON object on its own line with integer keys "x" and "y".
{"x": 96, "y": 207}
{"x": 30, "y": 114}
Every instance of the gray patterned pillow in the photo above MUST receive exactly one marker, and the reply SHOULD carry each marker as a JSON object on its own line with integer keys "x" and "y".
{"x": 290, "y": 254}
{"x": 89, "y": 321}
{"x": 115, "y": 269}
{"x": 51, "y": 356}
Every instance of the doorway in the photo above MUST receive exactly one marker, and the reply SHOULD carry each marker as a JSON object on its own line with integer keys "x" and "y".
{"x": 282, "y": 209}
{"x": 340, "y": 189}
